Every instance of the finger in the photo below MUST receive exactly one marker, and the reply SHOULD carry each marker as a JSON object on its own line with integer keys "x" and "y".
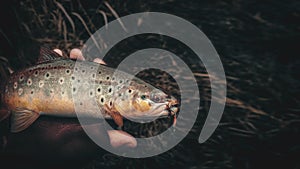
{"x": 100, "y": 61}
{"x": 120, "y": 138}
{"x": 58, "y": 51}
{"x": 76, "y": 54}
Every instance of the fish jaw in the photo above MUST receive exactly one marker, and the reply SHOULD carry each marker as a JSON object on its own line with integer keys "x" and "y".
{"x": 158, "y": 110}
{"x": 170, "y": 108}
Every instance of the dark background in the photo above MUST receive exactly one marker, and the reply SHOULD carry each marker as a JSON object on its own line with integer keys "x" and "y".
{"x": 258, "y": 43}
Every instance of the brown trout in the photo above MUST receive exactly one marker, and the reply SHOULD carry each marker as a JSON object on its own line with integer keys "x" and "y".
{"x": 68, "y": 88}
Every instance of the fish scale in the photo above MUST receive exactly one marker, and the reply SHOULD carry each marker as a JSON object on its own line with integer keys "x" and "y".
{"x": 64, "y": 87}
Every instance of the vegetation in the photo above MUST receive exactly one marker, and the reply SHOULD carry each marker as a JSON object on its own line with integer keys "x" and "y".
{"x": 258, "y": 42}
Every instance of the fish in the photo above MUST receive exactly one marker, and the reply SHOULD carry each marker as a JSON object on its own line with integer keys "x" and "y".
{"x": 57, "y": 86}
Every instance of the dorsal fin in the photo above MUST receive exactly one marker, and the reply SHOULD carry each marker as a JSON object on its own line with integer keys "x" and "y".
{"x": 47, "y": 55}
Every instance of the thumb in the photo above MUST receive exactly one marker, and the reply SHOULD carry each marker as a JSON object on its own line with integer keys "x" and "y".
{"x": 120, "y": 138}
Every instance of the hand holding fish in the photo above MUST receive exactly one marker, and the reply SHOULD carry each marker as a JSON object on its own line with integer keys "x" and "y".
{"x": 46, "y": 91}
{"x": 58, "y": 139}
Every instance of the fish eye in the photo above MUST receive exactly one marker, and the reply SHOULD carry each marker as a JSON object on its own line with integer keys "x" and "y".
{"x": 143, "y": 97}
{"x": 156, "y": 99}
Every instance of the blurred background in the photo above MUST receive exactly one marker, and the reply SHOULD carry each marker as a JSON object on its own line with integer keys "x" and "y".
{"x": 258, "y": 43}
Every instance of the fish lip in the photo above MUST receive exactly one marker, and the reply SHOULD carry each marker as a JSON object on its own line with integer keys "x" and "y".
{"x": 172, "y": 103}
{"x": 173, "y": 108}
{"x": 170, "y": 111}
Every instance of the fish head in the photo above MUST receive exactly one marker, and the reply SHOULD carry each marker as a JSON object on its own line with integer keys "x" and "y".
{"x": 143, "y": 101}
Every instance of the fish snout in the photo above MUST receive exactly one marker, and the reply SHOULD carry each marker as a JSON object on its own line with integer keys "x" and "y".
{"x": 172, "y": 106}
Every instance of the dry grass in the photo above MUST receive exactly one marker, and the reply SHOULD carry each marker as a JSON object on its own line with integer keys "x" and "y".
{"x": 262, "y": 110}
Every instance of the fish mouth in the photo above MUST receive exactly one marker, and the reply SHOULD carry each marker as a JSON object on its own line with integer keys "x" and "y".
{"x": 172, "y": 108}
{"x": 167, "y": 109}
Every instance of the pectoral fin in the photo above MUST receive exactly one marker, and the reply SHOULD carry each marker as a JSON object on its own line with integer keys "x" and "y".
{"x": 117, "y": 118}
{"x": 115, "y": 115}
{"x": 21, "y": 119}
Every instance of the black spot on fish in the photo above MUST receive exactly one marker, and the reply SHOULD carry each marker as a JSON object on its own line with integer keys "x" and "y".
{"x": 61, "y": 80}
{"x": 98, "y": 89}
{"x": 29, "y": 82}
{"x": 15, "y": 85}
{"x": 41, "y": 83}
{"x": 68, "y": 71}
{"x": 47, "y": 75}
{"x": 110, "y": 90}
{"x": 21, "y": 78}
{"x": 36, "y": 73}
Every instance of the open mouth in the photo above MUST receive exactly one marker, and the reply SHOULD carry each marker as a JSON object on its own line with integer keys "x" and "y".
{"x": 173, "y": 107}
{"x": 171, "y": 110}
{"x": 168, "y": 109}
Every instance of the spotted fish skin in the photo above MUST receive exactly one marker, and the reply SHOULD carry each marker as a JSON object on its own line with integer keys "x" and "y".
{"x": 42, "y": 88}
{"x": 61, "y": 87}
{"x": 49, "y": 87}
